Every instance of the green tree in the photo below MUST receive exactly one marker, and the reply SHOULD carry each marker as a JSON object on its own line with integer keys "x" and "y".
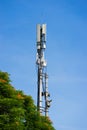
{"x": 17, "y": 110}
{"x": 11, "y": 107}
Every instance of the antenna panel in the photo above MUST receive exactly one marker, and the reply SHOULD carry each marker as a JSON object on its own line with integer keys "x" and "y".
{"x": 38, "y": 32}
{"x": 44, "y": 29}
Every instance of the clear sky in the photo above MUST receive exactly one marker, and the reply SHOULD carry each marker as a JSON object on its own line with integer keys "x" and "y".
{"x": 66, "y": 54}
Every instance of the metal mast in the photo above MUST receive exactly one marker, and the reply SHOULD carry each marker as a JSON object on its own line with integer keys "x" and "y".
{"x": 43, "y": 103}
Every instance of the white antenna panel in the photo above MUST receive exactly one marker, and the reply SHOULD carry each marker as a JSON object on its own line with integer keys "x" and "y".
{"x": 38, "y": 32}
{"x": 43, "y": 28}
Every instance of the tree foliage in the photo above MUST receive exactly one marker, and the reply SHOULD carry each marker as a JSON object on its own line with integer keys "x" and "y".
{"x": 17, "y": 110}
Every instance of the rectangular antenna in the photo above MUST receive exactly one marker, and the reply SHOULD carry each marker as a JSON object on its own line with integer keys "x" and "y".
{"x": 38, "y": 32}
{"x": 44, "y": 29}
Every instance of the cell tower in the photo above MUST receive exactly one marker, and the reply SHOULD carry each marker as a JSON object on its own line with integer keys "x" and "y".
{"x": 43, "y": 102}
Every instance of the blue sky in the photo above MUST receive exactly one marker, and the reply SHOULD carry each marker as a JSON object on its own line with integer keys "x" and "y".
{"x": 66, "y": 54}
